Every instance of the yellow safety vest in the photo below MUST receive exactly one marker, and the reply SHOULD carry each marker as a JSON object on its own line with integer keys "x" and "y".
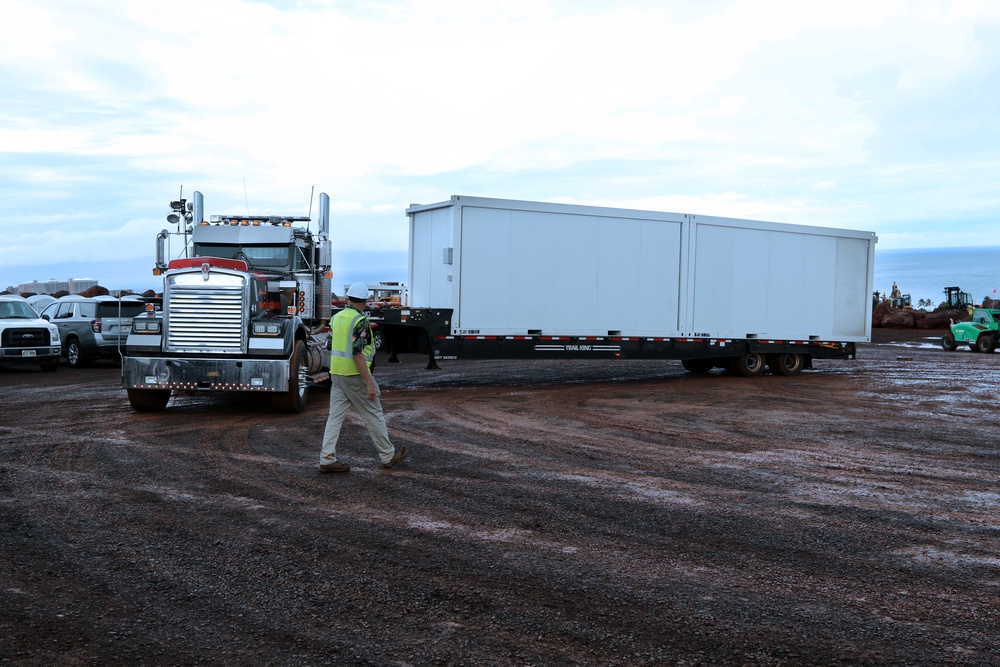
{"x": 341, "y": 339}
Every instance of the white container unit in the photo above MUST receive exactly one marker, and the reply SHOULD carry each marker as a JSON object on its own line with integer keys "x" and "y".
{"x": 519, "y": 268}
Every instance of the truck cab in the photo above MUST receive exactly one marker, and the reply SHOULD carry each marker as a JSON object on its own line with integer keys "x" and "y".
{"x": 244, "y": 309}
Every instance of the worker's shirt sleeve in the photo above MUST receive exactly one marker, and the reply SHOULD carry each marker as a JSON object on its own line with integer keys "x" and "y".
{"x": 359, "y": 337}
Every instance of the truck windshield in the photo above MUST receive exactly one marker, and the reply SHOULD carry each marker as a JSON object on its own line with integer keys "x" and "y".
{"x": 256, "y": 255}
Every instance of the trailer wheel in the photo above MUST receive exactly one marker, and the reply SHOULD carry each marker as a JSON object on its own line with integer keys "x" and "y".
{"x": 700, "y": 366}
{"x": 986, "y": 343}
{"x": 148, "y": 400}
{"x": 786, "y": 363}
{"x": 294, "y": 400}
{"x": 948, "y": 342}
{"x": 748, "y": 365}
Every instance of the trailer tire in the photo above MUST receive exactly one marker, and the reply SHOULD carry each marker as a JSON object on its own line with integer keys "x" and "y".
{"x": 750, "y": 364}
{"x": 700, "y": 366}
{"x": 986, "y": 343}
{"x": 148, "y": 400}
{"x": 948, "y": 342}
{"x": 786, "y": 363}
{"x": 294, "y": 400}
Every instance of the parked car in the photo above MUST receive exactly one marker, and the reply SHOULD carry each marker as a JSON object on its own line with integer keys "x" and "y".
{"x": 25, "y": 338}
{"x": 93, "y": 327}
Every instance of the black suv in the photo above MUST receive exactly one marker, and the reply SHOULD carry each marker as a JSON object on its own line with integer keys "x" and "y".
{"x": 94, "y": 327}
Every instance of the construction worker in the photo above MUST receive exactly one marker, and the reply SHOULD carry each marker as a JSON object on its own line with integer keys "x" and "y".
{"x": 351, "y": 355}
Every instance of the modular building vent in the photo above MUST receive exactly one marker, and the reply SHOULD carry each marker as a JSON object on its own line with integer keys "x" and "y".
{"x": 206, "y": 318}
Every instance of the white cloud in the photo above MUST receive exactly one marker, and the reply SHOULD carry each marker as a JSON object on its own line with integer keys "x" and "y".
{"x": 873, "y": 113}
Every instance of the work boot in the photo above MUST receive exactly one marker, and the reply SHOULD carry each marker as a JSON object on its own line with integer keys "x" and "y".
{"x": 397, "y": 457}
{"x": 336, "y": 466}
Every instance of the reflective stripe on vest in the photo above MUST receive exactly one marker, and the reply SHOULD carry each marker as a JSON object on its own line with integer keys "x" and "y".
{"x": 342, "y": 330}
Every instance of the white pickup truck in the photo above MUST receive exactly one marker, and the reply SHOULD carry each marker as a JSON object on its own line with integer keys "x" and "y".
{"x": 25, "y": 338}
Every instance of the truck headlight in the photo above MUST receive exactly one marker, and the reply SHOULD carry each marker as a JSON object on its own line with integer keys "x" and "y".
{"x": 266, "y": 329}
{"x": 145, "y": 326}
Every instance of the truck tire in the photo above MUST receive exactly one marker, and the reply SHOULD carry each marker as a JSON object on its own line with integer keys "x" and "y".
{"x": 75, "y": 355}
{"x": 986, "y": 343}
{"x": 148, "y": 400}
{"x": 294, "y": 400}
{"x": 700, "y": 366}
{"x": 750, "y": 364}
{"x": 948, "y": 342}
{"x": 786, "y": 363}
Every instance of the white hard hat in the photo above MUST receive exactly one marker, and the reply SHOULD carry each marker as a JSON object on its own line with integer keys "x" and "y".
{"x": 358, "y": 291}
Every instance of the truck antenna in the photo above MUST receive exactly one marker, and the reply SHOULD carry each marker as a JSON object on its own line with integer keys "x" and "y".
{"x": 309, "y": 219}
{"x": 245, "y": 197}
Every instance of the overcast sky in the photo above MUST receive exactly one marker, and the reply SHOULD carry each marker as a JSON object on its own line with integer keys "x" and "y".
{"x": 881, "y": 116}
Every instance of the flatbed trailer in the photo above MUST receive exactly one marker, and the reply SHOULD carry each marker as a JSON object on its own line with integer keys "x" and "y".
{"x": 496, "y": 278}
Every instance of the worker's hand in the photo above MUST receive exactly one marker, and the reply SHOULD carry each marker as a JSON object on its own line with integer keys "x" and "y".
{"x": 371, "y": 389}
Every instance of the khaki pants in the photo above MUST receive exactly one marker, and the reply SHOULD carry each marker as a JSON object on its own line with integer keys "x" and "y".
{"x": 347, "y": 391}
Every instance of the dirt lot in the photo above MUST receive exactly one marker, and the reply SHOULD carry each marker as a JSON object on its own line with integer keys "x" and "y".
{"x": 563, "y": 513}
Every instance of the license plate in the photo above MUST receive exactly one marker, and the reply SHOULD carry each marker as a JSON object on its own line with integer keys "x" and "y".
{"x": 27, "y": 353}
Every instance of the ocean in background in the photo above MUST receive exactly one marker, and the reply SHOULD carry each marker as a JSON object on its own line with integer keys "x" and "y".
{"x": 368, "y": 267}
{"x": 923, "y": 273}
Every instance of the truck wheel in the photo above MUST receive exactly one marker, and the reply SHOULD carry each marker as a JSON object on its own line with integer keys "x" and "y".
{"x": 377, "y": 339}
{"x": 986, "y": 343}
{"x": 148, "y": 400}
{"x": 948, "y": 342}
{"x": 294, "y": 400}
{"x": 700, "y": 366}
{"x": 786, "y": 363}
{"x": 748, "y": 365}
{"x": 75, "y": 355}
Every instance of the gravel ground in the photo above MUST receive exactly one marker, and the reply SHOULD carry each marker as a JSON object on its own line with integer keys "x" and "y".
{"x": 552, "y": 513}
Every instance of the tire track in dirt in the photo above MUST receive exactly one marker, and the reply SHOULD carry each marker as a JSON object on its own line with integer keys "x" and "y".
{"x": 566, "y": 517}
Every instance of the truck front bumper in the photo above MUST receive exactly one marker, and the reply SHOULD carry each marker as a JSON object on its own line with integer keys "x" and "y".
{"x": 212, "y": 374}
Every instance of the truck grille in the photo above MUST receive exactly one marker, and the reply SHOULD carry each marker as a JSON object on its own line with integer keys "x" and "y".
{"x": 205, "y": 318}
{"x": 33, "y": 337}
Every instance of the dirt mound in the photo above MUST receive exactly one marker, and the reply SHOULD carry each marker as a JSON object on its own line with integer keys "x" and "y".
{"x": 883, "y": 315}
